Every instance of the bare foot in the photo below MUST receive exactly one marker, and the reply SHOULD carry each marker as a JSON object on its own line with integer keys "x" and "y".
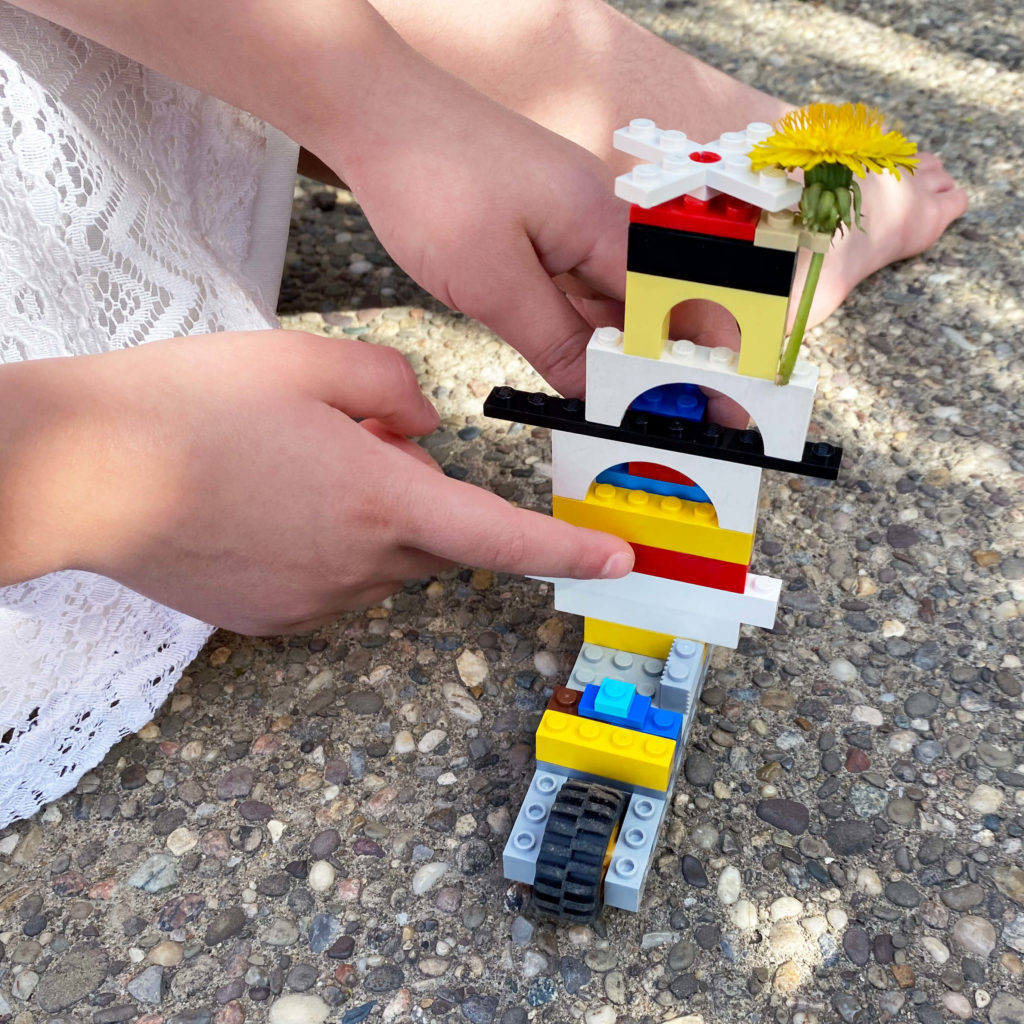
{"x": 900, "y": 219}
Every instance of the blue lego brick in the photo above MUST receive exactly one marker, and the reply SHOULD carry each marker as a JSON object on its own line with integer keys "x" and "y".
{"x": 617, "y": 476}
{"x": 595, "y": 663}
{"x": 642, "y": 716}
{"x": 614, "y": 698}
{"x": 682, "y": 676}
{"x": 519, "y": 861}
{"x": 681, "y": 401}
{"x": 631, "y": 859}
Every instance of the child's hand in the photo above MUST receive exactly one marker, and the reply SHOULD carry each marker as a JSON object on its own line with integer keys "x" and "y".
{"x": 226, "y": 476}
{"x": 486, "y": 210}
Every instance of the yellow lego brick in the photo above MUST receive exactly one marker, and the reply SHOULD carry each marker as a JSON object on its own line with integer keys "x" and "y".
{"x": 761, "y": 319}
{"x": 657, "y": 520}
{"x": 602, "y": 749}
{"x": 785, "y": 230}
{"x": 644, "y": 642}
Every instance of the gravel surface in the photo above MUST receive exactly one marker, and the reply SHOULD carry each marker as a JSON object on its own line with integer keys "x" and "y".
{"x": 311, "y": 828}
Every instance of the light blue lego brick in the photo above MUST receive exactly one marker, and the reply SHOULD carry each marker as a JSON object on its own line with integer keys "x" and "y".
{"x": 631, "y": 859}
{"x": 614, "y": 697}
{"x": 617, "y": 476}
{"x": 595, "y": 663}
{"x": 634, "y": 717}
{"x": 642, "y": 716}
{"x": 519, "y": 860}
{"x": 682, "y": 676}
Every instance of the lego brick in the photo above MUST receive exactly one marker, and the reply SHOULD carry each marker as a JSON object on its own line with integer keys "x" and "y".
{"x": 669, "y": 606}
{"x": 781, "y": 412}
{"x": 722, "y": 262}
{"x": 641, "y": 642}
{"x": 653, "y": 471}
{"x": 565, "y": 700}
{"x": 519, "y": 860}
{"x": 618, "y": 476}
{"x": 678, "y": 565}
{"x": 626, "y": 876}
{"x": 630, "y": 717}
{"x": 679, "y": 165}
{"x": 632, "y": 757}
{"x": 614, "y": 698}
{"x": 761, "y": 319}
{"x": 642, "y": 430}
{"x": 604, "y": 780}
{"x": 720, "y": 215}
{"x": 642, "y": 716}
{"x": 785, "y": 230}
{"x": 596, "y": 662}
{"x": 681, "y": 401}
{"x": 732, "y": 488}
{"x": 656, "y": 521}
{"x": 684, "y": 671}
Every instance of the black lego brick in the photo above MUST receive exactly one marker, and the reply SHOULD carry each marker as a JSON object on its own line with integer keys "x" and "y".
{"x": 723, "y": 262}
{"x": 820, "y": 459}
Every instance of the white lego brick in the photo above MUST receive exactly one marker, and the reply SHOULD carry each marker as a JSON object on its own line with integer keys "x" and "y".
{"x": 670, "y": 606}
{"x": 626, "y": 876}
{"x": 732, "y": 488}
{"x": 782, "y": 413}
{"x": 519, "y": 861}
{"x": 595, "y": 663}
{"x": 675, "y": 167}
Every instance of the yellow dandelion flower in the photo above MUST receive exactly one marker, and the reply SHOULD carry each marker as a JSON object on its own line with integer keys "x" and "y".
{"x": 851, "y": 135}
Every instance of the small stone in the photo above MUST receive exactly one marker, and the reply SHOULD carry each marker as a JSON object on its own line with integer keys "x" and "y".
{"x": 866, "y": 715}
{"x": 324, "y": 843}
{"x": 167, "y": 953}
{"x": 850, "y": 837}
{"x": 901, "y": 811}
{"x": 857, "y": 760}
{"x": 785, "y": 907}
{"x": 963, "y": 897}
{"x": 385, "y": 978}
{"x": 857, "y": 945}
{"x": 903, "y": 894}
{"x": 787, "y": 979}
{"x": 729, "y": 885}
{"x": 985, "y": 800}
{"x": 789, "y": 815}
{"x": 473, "y": 671}
{"x": 868, "y": 882}
{"x": 156, "y": 874}
{"x": 904, "y": 975}
{"x": 237, "y": 783}
{"x": 694, "y": 873}
{"x": 298, "y": 1008}
{"x": 181, "y": 840}
{"x": 958, "y": 1004}
{"x": 786, "y": 938}
{"x": 1006, "y": 1009}
{"x": 321, "y": 876}
{"x": 974, "y": 935}
{"x": 225, "y": 925}
{"x": 744, "y": 915}
{"x": 1009, "y": 881}
{"x": 427, "y": 876}
{"x": 699, "y": 769}
{"x": 282, "y": 932}
{"x": 936, "y": 949}
{"x": 148, "y": 987}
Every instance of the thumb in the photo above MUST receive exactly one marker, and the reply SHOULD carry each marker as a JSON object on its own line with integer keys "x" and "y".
{"x": 467, "y": 524}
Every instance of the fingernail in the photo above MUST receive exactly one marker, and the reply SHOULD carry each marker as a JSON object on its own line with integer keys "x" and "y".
{"x": 618, "y": 565}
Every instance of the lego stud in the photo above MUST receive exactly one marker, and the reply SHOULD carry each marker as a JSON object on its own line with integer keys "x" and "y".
{"x": 646, "y": 174}
{"x": 622, "y": 660}
{"x": 684, "y": 648}
{"x": 637, "y": 498}
{"x": 557, "y": 722}
{"x": 592, "y": 654}
{"x": 733, "y": 142}
{"x": 737, "y": 163}
{"x": 635, "y": 837}
{"x": 721, "y": 356}
{"x": 643, "y": 128}
{"x": 774, "y": 179}
{"x": 673, "y": 141}
{"x": 655, "y": 747}
{"x": 652, "y": 667}
{"x": 584, "y": 676}
{"x": 644, "y": 809}
{"x": 781, "y": 219}
{"x": 758, "y": 131}
{"x": 523, "y": 841}
{"x": 625, "y": 867}
{"x": 547, "y": 784}
{"x": 622, "y": 738}
{"x": 683, "y": 349}
{"x": 589, "y": 730}
{"x": 608, "y": 337}
{"x": 536, "y": 813}
{"x": 605, "y": 492}
{"x": 802, "y": 369}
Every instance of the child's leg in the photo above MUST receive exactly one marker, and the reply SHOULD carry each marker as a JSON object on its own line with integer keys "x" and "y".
{"x": 583, "y": 69}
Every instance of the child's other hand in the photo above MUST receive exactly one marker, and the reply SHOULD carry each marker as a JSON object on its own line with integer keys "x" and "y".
{"x": 491, "y": 213}
{"x": 226, "y": 476}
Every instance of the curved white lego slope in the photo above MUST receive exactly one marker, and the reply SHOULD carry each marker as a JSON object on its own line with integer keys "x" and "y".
{"x": 781, "y": 412}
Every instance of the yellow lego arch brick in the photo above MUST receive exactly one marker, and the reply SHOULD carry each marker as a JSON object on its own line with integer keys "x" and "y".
{"x": 644, "y": 642}
{"x": 761, "y": 319}
{"x": 657, "y": 520}
{"x": 626, "y": 755}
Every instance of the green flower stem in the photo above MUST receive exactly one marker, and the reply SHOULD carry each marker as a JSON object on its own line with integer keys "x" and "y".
{"x": 796, "y": 336}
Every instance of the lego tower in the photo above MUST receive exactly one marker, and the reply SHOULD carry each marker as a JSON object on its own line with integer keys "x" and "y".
{"x": 641, "y": 460}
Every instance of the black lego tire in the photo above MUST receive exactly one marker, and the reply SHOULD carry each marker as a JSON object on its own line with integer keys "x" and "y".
{"x": 570, "y": 866}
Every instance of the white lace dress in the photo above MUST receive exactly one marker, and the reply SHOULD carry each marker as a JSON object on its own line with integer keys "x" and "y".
{"x": 131, "y": 209}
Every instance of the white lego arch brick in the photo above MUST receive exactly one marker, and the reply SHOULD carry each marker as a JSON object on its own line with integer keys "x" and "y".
{"x": 732, "y": 488}
{"x": 782, "y": 413}
{"x": 634, "y": 850}
{"x": 670, "y": 606}
{"x": 672, "y": 171}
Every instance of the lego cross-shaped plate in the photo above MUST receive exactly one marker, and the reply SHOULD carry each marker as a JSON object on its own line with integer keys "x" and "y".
{"x": 679, "y": 166}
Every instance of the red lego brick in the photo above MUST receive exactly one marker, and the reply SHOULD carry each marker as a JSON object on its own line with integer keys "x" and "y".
{"x": 722, "y": 216}
{"x": 565, "y": 700}
{"x": 654, "y": 471}
{"x": 675, "y": 565}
